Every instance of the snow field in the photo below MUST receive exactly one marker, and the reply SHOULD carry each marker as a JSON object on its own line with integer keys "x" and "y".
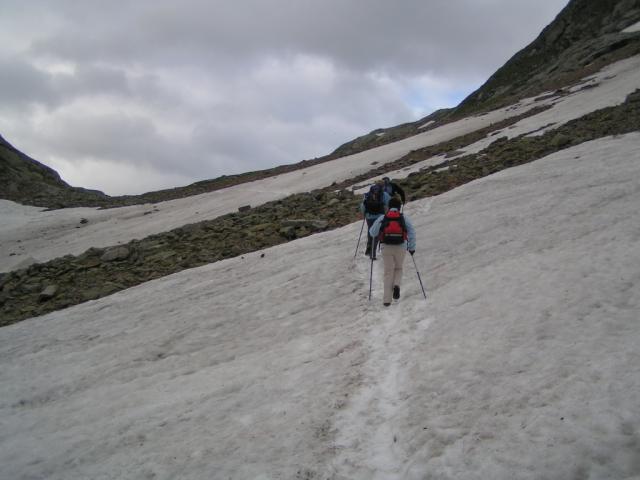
{"x": 231, "y": 354}
{"x": 523, "y": 364}
{"x": 530, "y": 370}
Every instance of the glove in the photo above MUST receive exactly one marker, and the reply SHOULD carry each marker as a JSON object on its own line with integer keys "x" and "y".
{"x": 412, "y": 252}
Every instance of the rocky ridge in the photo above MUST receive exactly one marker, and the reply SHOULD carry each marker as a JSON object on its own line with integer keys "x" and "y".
{"x": 585, "y": 36}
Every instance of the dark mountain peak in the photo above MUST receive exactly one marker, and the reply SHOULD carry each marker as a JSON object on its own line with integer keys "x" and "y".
{"x": 585, "y": 36}
{"x": 25, "y": 180}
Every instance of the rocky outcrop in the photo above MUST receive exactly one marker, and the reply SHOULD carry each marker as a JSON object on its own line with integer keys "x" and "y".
{"x": 98, "y": 272}
{"x": 585, "y": 36}
{"x": 25, "y": 180}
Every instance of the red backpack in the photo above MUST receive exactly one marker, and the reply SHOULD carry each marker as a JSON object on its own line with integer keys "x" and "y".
{"x": 393, "y": 230}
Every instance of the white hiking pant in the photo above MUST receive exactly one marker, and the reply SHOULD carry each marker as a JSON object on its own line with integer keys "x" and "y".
{"x": 393, "y": 258}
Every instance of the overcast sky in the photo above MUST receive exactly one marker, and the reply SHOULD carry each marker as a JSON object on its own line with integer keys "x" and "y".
{"x": 128, "y": 97}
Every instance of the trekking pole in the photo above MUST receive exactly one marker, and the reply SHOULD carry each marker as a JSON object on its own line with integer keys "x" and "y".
{"x": 370, "y": 277}
{"x": 419, "y": 279}
{"x": 359, "y": 236}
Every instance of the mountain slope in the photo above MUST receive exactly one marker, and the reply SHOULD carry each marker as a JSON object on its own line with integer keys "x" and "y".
{"x": 25, "y": 180}
{"x": 524, "y": 356}
{"x": 29, "y": 182}
{"x": 272, "y": 364}
{"x": 129, "y": 259}
{"x": 584, "y": 37}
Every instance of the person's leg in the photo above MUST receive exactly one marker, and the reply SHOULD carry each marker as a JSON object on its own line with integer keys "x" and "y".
{"x": 389, "y": 259}
{"x": 399, "y": 254}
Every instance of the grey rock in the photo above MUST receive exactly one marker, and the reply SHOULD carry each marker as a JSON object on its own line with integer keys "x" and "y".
{"x": 319, "y": 224}
{"x": 304, "y": 223}
{"x": 115, "y": 253}
{"x": 288, "y": 232}
{"x": 91, "y": 262}
{"x": 48, "y": 293}
{"x": 31, "y": 287}
{"x": 560, "y": 140}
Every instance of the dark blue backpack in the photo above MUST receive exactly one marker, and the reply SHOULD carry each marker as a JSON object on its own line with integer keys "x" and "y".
{"x": 374, "y": 200}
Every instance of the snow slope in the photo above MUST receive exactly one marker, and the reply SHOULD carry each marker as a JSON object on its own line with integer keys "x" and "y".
{"x": 523, "y": 364}
{"x": 30, "y": 234}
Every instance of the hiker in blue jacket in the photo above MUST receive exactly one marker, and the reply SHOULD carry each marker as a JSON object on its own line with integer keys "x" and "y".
{"x": 397, "y": 235}
{"x": 374, "y": 205}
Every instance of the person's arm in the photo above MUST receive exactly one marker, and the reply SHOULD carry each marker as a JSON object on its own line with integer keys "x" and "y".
{"x": 411, "y": 235}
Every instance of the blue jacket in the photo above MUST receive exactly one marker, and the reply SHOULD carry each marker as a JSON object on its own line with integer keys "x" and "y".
{"x": 411, "y": 232}
{"x": 372, "y": 216}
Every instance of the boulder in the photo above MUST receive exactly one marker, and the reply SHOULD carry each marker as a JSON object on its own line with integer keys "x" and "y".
{"x": 48, "y": 293}
{"x": 288, "y": 233}
{"x": 115, "y": 253}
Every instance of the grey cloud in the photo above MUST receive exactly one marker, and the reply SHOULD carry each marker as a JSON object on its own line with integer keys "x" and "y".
{"x": 118, "y": 138}
{"x": 438, "y": 36}
{"x": 91, "y": 79}
{"x": 201, "y": 88}
{"x": 22, "y": 85}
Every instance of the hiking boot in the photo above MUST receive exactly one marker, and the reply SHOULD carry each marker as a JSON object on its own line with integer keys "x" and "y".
{"x": 396, "y": 292}
{"x": 386, "y": 304}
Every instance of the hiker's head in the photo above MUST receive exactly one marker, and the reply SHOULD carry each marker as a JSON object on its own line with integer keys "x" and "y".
{"x": 395, "y": 203}
{"x": 386, "y": 180}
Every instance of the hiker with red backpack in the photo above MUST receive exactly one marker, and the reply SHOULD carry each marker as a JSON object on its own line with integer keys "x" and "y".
{"x": 395, "y": 232}
{"x": 373, "y": 206}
